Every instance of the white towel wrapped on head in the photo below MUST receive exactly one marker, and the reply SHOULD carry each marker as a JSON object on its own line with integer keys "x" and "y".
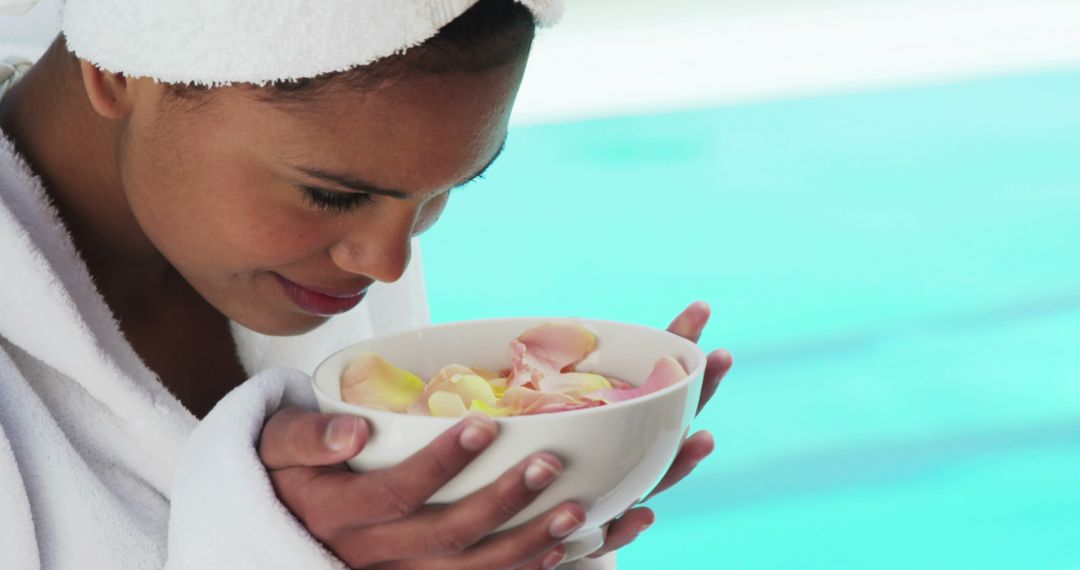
{"x": 213, "y": 42}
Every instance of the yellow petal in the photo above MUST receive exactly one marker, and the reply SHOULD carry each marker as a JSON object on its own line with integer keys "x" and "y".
{"x": 446, "y": 405}
{"x": 447, "y": 375}
{"x": 371, "y": 381}
{"x": 440, "y": 381}
{"x": 480, "y": 406}
{"x": 575, "y": 383}
{"x": 471, "y": 387}
{"x": 499, "y": 387}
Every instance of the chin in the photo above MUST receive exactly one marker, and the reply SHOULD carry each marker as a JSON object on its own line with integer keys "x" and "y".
{"x": 279, "y": 323}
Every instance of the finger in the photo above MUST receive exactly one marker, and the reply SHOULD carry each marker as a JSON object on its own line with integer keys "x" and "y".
{"x": 625, "y": 529}
{"x": 394, "y": 492}
{"x": 295, "y": 437}
{"x": 333, "y": 503}
{"x": 522, "y": 545}
{"x": 549, "y": 560}
{"x": 717, "y": 365}
{"x": 691, "y": 321}
{"x": 447, "y": 530}
{"x": 693, "y": 450}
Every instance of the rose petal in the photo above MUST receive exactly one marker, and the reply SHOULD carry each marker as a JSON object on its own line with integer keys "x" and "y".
{"x": 446, "y": 405}
{"x": 471, "y": 387}
{"x": 437, "y": 382}
{"x": 524, "y": 371}
{"x": 479, "y": 406}
{"x": 523, "y": 401}
{"x": 485, "y": 373}
{"x": 559, "y": 343}
{"x": 565, "y": 407}
{"x": 499, "y": 386}
{"x": 575, "y": 384}
{"x": 373, "y": 382}
{"x": 548, "y": 350}
{"x": 665, "y": 372}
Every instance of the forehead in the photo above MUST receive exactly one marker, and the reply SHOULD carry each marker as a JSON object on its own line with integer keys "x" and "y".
{"x": 420, "y": 132}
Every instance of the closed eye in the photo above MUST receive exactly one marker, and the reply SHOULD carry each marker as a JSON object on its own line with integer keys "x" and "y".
{"x": 332, "y": 201}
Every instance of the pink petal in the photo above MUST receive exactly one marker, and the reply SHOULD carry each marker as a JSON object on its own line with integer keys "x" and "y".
{"x": 526, "y": 371}
{"x": 665, "y": 372}
{"x": 522, "y": 401}
{"x": 549, "y": 349}
{"x": 565, "y": 407}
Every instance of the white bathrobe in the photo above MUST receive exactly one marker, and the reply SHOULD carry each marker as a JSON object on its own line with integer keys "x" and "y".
{"x": 100, "y": 466}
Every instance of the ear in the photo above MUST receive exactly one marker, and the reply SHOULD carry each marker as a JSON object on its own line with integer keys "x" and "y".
{"x": 109, "y": 93}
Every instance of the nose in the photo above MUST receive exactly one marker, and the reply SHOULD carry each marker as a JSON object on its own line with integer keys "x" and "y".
{"x": 380, "y": 248}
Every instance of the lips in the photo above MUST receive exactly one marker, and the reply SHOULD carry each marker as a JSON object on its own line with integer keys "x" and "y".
{"x": 322, "y": 301}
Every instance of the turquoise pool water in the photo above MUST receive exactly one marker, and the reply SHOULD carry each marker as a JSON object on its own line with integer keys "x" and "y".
{"x": 897, "y": 275}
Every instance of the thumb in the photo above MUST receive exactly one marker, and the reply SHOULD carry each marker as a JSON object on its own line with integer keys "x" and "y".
{"x": 295, "y": 437}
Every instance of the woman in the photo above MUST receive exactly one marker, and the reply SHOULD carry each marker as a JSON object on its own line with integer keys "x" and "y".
{"x": 189, "y": 195}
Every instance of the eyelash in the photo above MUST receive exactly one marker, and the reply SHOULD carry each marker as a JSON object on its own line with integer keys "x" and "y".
{"x": 335, "y": 202}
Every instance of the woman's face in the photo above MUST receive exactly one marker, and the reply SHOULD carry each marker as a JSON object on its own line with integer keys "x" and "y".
{"x": 280, "y": 215}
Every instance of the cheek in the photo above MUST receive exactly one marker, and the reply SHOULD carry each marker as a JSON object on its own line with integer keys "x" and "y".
{"x": 215, "y": 209}
{"x": 261, "y": 236}
{"x": 430, "y": 213}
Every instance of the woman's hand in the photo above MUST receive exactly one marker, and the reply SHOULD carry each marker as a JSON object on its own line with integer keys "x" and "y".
{"x": 378, "y": 518}
{"x": 689, "y": 324}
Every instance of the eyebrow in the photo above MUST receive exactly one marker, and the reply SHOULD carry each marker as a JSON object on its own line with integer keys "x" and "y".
{"x": 359, "y": 185}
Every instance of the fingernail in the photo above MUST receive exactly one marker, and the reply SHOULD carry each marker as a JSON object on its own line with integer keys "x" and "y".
{"x": 478, "y": 434}
{"x": 340, "y": 433}
{"x": 552, "y": 559}
{"x": 644, "y": 527}
{"x": 539, "y": 474}
{"x": 563, "y": 524}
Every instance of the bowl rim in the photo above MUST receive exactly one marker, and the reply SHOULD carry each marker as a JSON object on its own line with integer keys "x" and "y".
{"x": 699, "y": 370}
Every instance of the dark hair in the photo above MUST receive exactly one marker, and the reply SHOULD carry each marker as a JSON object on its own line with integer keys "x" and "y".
{"x": 489, "y": 34}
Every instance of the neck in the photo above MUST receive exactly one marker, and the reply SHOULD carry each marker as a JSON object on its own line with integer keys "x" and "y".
{"x": 74, "y": 151}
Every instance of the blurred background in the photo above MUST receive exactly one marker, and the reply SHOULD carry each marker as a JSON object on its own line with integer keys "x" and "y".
{"x": 881, "y": 201}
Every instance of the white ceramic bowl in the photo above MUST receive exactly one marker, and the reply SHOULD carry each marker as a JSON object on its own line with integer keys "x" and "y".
{"x": 613, "y": 455}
